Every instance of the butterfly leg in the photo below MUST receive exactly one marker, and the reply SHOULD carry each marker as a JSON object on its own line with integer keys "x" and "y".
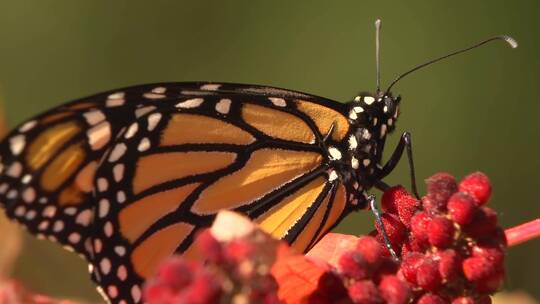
{"x": 377, "y": 214}
{"x": 405, "y": 143}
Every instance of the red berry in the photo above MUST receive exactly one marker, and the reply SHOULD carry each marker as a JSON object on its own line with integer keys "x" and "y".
{"x": 427, "y": 275}
{"x": 484, "y": 300}
{"x": 414, "y": 245}
{"x": 463, "y": 300}
{"x": 365, "y": 292}
{"x": 419, "y": 226}
{"x": 407, "y": 207}
{"x": 330, "y": 286}
{"x": 239, "y": 250}
{"x": 430, "y": 298}
{"x": 371, "y": 250}
{"x": 203, "y": 290}
{"x": 490, "y": 252}
{"x": 410, "y": 264}
{"x": 395, "y": 230}
{"x": 210, "y": 248}
{"x": 390, "y": 197}
{"x": 484, "y": 223}
{"x": 461, "y": 208}
{"x": 177, "y": 272}
{"x": 398, "y": 201}
{"x": 353, "y": 265}
{"x": 387, "y": 267}
{"x": 478, "y": 268}
{"x": 449, "y": 264}
{"x": 440, "y": 187}
{"x": 441, "y": 232}
{"x": 156, "y": 292}
{"x": 490, "y": 284}
{"x": 394, "y": 290}
{"x": 478, "y": 186}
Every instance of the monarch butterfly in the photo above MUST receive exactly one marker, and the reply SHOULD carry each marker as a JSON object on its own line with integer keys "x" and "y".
{"x": 127, "y": 177}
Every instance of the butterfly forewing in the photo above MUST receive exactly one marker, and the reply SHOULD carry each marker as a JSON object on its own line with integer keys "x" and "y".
{"x": 140, "y": 170}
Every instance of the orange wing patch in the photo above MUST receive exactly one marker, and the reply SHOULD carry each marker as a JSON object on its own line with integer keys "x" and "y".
{"x": 338, "y": 205}
{"x": 200, "y": 129}
{"x": 277, "y": 124}
{"x": 49, "y": 142}
{"x": 281, "y": 218}
{"x": 135, "y": 219}
{"x": 147, "y": 257}
{"x": 324, "y": 118}
{"x": 62, "y": 167}
{"x": 175, "y": 165}
{"x": 266, "y": 170}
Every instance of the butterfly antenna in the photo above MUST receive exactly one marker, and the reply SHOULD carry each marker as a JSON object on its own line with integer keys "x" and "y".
{"x": 511, "y": 41}
{"x": 378, "y": 53}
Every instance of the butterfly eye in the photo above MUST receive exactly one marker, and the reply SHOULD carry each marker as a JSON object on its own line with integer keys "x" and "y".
{"x": 389, "y": 106}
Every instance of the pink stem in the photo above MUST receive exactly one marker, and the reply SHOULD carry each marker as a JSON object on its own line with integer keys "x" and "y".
{"x": 522, "y": 233}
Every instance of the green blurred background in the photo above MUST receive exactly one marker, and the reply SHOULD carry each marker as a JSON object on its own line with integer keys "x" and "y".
{"x": 478, "y": 111}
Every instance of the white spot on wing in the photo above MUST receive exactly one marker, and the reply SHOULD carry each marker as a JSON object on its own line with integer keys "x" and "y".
{"x": 58, "y": 226}
{"x": 29, "y": 195}
{"x": 143, "y": 145}
{"x": 108, "y": 229}
{"x": 132, "y": 130}
{"x": 49, "y": 212}
{"x": 369, "y": 100}
{"x": 118, "y": 172}
{"x": 103, "y": 208}
{"x": 117, "y": 152}
{"x": 120, "y": 250}
{"x": 153, "y": 96}
{"x": 105, "y": 266}
{"x": 190, "y": 103}
{"x": 27, "y": 126}
{"x": 122, "y": 273}
{"x": 84, "y": 218}
{"x": 136, "y": 293}
{"x": 223, "y": 106}
{"x": 74, "y": 238}
{"x": 153, "y": 120}
{"x": 278, "y": 102}
{"x": 16, "y": 144}
{"x": 210, "y": 86}
{"x": 93, "y": 117}
{"x": 117, "y": 95}
{"x": 14, "y": 170}
{"x": 102, "y": 184}
{"x": 159, "y": 90}
{"x": 115, "y": 100}
{"x": 143, "y": 111}
{"x": 120, "y": 196}
{"x": 99, "y": 135}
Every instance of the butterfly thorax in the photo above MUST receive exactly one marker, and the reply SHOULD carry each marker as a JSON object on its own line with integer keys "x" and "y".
{"x": 372, "y": 117}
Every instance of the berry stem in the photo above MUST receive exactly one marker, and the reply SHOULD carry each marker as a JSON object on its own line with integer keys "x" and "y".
{"x": 522, "y": 233}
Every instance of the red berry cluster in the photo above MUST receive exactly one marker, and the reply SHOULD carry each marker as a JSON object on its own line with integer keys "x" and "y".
{"x": 233, "y": 272}
{"x": 370, "y": 275}
{"x": 451, "y": 247}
